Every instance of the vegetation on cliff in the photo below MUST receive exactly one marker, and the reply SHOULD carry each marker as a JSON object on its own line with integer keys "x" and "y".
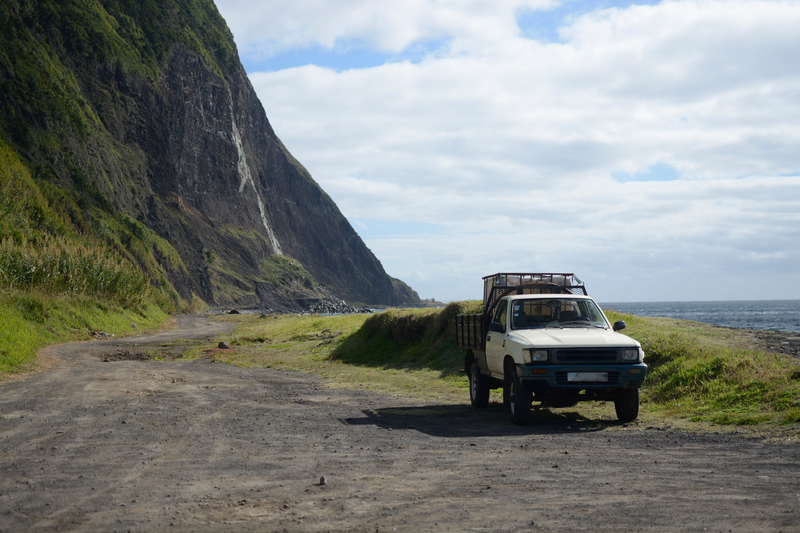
{"x": 56, "y": 222}
{"x": 58, "y": 283}
{"x": 136, "y": 123}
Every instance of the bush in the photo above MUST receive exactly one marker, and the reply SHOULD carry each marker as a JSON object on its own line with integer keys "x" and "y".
{"x": 409, "y": 339}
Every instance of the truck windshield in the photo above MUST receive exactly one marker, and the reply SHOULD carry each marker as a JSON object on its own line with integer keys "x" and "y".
{"x": 556, "y": 312}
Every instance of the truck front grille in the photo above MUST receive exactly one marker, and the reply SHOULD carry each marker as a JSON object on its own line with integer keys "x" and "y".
{"x": 586, "y": 355}
{"x": 561, "y": 380}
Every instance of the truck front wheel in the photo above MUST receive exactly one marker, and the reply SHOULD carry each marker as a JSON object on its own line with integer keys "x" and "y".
{"x": 478, "y": 387}
{"x": 519, "y": 401}
{"x": 627, "y": 405}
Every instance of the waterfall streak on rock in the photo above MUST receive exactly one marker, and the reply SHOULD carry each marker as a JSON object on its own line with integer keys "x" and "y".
{"x": 246, "y": 176}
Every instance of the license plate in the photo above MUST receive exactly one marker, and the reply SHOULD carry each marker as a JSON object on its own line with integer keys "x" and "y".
{"x": 588, "y": 376}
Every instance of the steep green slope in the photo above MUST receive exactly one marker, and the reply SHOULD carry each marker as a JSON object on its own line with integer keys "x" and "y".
{"x": 57, "y": 284}
{"x": 137, "y": 123}
{"x": 71, "y": 261}
{"x": 71, "y": 161}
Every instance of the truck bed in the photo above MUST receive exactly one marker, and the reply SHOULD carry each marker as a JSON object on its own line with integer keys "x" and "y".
{"x": 469, "y": 332}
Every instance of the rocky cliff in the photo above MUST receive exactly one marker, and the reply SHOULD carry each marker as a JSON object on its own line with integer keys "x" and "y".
{"x": 141, "y": 112}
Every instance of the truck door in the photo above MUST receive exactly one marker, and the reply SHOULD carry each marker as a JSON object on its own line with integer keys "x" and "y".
{"x": 495, "y": 341}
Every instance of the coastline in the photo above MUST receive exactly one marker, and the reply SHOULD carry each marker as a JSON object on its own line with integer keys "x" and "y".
{"x": 785, "y": 342}
{"x": 763, "y": 315}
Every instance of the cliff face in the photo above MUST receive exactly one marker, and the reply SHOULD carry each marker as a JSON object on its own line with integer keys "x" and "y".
{"x": 163, "y": 129}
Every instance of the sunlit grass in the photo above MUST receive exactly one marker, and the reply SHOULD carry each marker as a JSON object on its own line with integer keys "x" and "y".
{"x": 62, "y": 266}
{"x": 30, "y": 320}
{"x": 316, "y": 344}
{"x": 712, "y": 374}
{"x": 698, "y": 373}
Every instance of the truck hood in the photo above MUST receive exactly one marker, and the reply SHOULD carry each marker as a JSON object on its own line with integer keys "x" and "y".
{"x": 571, "y": 337}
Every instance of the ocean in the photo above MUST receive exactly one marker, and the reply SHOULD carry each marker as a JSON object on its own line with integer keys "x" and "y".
{"x": 778, "y": 315}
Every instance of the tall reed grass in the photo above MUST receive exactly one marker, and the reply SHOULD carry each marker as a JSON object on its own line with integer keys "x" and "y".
{"x": 60, "y": 266}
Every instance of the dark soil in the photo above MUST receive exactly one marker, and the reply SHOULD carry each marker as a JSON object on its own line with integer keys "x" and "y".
{"x": 125, "y": 355}
{"x": 135, "y": 444}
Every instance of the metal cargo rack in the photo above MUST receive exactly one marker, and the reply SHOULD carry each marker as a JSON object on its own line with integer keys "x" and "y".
{"x": 498, "y": 285}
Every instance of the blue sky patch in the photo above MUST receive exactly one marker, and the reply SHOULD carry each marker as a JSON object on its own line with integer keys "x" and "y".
{"x": 543, "y": 26}
{"x": 353, "y": 55}
{"x": 657, "y": 172}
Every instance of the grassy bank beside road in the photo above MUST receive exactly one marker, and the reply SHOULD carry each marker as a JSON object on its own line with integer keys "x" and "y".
{"x": 31, "y": 320}
{"x": 697, "y": 372}
{"x": 351, "y": 351}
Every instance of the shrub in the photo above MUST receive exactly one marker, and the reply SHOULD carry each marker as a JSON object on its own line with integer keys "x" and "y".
{"x": 58, "y": 266}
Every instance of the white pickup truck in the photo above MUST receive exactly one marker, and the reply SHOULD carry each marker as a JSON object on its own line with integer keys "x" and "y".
{"x": 542, "y": 338}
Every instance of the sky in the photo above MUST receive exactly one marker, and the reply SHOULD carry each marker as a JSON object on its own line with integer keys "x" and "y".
{"x": 651, "y": 148}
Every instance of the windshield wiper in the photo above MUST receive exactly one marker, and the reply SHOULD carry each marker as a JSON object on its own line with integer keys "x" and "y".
{"x": 582, "y": 324}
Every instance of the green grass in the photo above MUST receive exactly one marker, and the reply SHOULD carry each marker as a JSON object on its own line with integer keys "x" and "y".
{"x": 315, "y": 343}
{"x": 30, "y": 321}
{"x": 710, "y": 374}
{"x": 280, "y": 268}
{"x": 60, "y": 266}
{"x": 698, "y": 374}
{"x": 408, "y": 339}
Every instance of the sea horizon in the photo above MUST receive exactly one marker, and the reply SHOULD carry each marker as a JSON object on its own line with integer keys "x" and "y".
{"x": 776, "y": 315}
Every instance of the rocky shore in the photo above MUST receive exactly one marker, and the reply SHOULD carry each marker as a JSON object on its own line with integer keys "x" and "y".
{"x": 322, "y": 307}
{"x": 785, "y": 342}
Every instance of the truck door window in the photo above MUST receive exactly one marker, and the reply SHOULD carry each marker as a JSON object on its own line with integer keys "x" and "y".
{"x": 590, "y": 311}
{"x": 500, "y": 314}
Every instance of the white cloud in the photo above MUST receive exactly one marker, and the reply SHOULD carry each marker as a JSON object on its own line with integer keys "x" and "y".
{"x": 269, "y": 28}
{"x": 509, "y": 144}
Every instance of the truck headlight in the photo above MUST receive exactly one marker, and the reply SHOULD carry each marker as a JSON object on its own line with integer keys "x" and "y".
{"x": 536, "y": 356}
{"x": 630, "y": 354}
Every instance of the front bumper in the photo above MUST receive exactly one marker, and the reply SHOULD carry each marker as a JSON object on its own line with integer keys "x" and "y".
{"x": 579, "y": 377}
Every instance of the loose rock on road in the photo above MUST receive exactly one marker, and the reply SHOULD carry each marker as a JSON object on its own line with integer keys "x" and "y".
{"x": 120, "y": 444}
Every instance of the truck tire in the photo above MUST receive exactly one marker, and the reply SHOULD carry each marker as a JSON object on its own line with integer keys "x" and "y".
{"x": 519, "y": 401}
{"x": 627, "y": 405}
{"x": 478, "y": 387}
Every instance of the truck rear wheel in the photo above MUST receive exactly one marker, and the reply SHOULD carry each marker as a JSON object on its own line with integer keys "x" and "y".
{"x": 519, "y": 401}
{"x": 478, "y": 387}
{"x": 627, "y": 405}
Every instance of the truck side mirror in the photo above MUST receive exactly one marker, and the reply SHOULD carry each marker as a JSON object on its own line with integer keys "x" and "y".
{"x": 497, "y": 327}
{"x": 620, "y": 325}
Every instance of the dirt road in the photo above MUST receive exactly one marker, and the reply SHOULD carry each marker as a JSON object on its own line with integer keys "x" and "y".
{"x": 140, "y": 445}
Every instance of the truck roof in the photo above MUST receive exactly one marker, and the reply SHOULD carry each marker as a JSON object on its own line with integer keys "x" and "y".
{"x": 548, "y": 296}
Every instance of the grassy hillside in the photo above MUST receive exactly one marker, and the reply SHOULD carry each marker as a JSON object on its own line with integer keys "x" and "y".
{"x": 697, "y": 372}
{"x": 56, "y": 282}
{"x": 59, "y": 162}
{"x": 70, "y": 261}
{"x": 62, "y": 164}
